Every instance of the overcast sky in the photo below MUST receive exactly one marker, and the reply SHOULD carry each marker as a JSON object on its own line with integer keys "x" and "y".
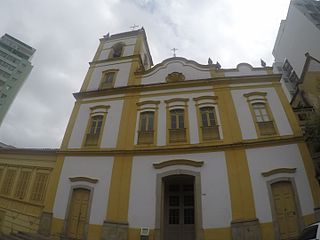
{"x": 66, "y": 34}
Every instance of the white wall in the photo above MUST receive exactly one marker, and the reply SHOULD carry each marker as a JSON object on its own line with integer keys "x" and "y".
{"x": 246, "y": 119}
{"x": 265, "y": 159}
{"x": 93, "y": 167}
{"x": 110, "y": 130}
{"x": 298, "y": 36}
{"x": 122, "y": 76}
{"x": 193, "y": 122}
{"x": 216, "y": 205}
{"x": 190, "y": 70}
{"x": 128, "y": 48}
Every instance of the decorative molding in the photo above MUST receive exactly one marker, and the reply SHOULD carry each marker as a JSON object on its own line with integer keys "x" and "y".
{"x": 175, "y": 77}
{"x": 278, "y": 170}
{"x": 176, "y": 100}
{"x": 263, "y": 94}
{"x": 206, "y": 98}
{"x": 148, "y": 102}
{"x": 100, "y": 107}
{"x": 83, "y": 179}
{"x": 178, "y": 162}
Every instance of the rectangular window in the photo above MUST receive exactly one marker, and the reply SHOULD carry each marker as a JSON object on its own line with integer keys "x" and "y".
{"x": 146, "y": 131}
{"x": 107, "y": 80}
{"x": 210, "y": 129}
{"x": 93, "y": 135}
{"x": 8, "y": 181}
{"x": 177, "y": 133}
{"x": 23, "y": 183}
{"x": 39, "y": 187}
{"x": 264, "y": 122}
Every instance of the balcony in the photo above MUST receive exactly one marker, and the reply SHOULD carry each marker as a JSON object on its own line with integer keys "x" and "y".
{"x": 145, "y": 137}
{"x": 178, "y": 135}
{"x": 210, "y": 133}
{"x": 266, "y": 128}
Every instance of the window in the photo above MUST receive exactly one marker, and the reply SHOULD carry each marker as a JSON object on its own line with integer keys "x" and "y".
{"x": 8, "y": 181}
{"x": 23, "y": 183}
{"x": 93, "y": 135}
{"x": 107, "y": 80}
{"x": 262, "y": 115}
{"x": 39, "y": 187}
{"x": 209, "y": 128}
{"x": 263, "y": 120}
{"x": 95, "y": 125}
{"x": 116, "y": 50}
{"x": 146, "y": 128}
{"x": 177, "y": 131}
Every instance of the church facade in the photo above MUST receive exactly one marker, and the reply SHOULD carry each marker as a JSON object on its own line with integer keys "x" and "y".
{"x": 177, "y": 151}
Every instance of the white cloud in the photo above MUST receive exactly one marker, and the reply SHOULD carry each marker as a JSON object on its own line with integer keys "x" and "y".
{"x": 66, "y": 33}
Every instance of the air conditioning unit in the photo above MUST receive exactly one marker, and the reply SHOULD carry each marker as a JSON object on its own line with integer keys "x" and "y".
{"x": 144, "y": 233}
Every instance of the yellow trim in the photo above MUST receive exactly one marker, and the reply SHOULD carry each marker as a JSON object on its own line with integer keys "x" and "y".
{"x": 252, "y": 94}
{"x": 118, "y": 204}
{"x": 139, "y": 104}
{"x": 53, "y": 184}
{"x": 294, "y": 123}
{"x": 176, "y": 100}
{"x": 214, "y": 98}
{"x": 71, "y": 123}
{"x": 57, "y": 227}
{"x": 310, "y": 170}
{"x": 267, "y": 231}
{"x": 119, "y": 189}
{"x": 242, "y": 200}
{"x": 228, "y": 117}
{"x": 278, "y": 170}
{"x": 177, "y": 162}
{"x": 94, "y": 232}
{"x": 217, "y": 234}
{"x": 309, "y": 219}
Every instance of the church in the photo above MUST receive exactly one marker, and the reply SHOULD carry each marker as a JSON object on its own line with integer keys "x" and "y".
{"x": 172, "y": 151}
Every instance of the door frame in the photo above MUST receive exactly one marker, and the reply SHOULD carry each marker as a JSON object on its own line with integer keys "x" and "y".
{"x": 73, "y": 188}
{"x": 272, "y": 205}
{"x": 159, "y": 218}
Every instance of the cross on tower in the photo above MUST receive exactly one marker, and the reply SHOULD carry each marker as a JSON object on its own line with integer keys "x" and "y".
{"x": 174, "y": 51}
{"x": 133, "y": 27}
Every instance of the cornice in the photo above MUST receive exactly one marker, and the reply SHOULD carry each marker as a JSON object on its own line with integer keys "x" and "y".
{"x": 215, "y": 82}
{"x": 155, "y": 150}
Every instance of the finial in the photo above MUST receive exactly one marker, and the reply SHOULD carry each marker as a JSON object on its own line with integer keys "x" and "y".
{"x": 209, "y": 61}
{"x": 174, "y": 51}
{"x": 133, "y": 27}
{"x": 107, "y": 35}
{"x": 218, "y": 66}
{"x": 263, "y": 63}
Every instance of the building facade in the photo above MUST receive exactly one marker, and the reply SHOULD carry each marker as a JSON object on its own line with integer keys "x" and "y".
{"x": 298, "y": 34}
{"x": 15, "y": 66}
{"x": 178, "y": 150}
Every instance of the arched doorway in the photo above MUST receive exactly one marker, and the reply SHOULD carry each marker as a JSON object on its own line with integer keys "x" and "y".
{"x": 179, "y": 208}
{"x": 285, "y": 210}
{"x": 78, "y": 214}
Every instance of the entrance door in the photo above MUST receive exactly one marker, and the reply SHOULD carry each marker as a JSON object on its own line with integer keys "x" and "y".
{"x": 179, "y": 208}
{"x": 78, "y": 213}
{"x": 286, "y": 210}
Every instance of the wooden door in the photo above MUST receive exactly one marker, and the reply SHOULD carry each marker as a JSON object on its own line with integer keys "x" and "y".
{"x": 286, "y": 210}
{"x": 179, "y": 215}
{"x": 78, "y": 213}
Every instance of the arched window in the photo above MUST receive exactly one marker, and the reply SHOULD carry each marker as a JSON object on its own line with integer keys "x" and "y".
{"x": 209, "y": 126}
{"x": 177, "y": 131}
{"x": 146, "y": 128}
{"x": 117, "y": 50}
{"x": 262, "y": 114}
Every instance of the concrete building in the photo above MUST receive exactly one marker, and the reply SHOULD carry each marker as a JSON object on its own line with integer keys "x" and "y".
{"x": 298, "y": 34}
{"x": 179, "y": 151}
{"x": 15, "y": 66}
